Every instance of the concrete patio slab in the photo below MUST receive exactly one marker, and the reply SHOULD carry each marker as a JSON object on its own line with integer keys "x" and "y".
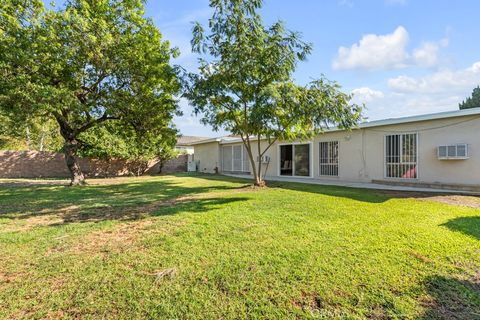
{"x": 361, "y": 185}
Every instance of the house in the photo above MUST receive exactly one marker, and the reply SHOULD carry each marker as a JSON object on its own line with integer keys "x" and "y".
{"x": 183, "y": 144}
{"x": 441, "y": 149}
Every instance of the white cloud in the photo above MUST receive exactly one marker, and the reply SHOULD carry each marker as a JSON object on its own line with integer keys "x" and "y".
{"x": 427, "y": 54}
{"x": 365, "y": 94}
{"x": 393, "y": 105}
{"x": 387, "y": 51}
{"x": 435, "y": 92}
{"x": 374, "y": 52}
{"x": 441, "y": 81}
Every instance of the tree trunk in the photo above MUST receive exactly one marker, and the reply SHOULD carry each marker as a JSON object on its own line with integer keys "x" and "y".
{"x": 70, "y": 148}
{"x": 42, "y": 137}
{"x": 256, "y": 178}
{"x": 76, "y": 175}
{"x": 161, "y": 163}
{"x": 259, "y": 182}
{"x": 29, "y": 142}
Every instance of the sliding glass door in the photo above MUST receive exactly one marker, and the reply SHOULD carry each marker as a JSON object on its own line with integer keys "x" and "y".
{"x": 286, "y": 160}
{"x": 302, "y": 160}
{"x": 295, "y": 160}
{"x": 235, "y": 159}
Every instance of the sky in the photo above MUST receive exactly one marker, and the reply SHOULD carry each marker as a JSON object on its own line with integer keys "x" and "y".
{"x": 399, "y": 57}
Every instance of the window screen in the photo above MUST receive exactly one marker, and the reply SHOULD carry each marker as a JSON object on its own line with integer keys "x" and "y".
{"x": 227, "y": 158}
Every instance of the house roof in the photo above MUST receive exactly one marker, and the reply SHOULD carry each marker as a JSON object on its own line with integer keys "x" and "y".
{"x": 187, "y": 140}
{"x": 371, "y": 124}
{"x": 423, "y": 117}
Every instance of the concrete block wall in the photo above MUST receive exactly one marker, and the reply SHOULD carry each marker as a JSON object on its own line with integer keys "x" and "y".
{"x": 35, "y": 164}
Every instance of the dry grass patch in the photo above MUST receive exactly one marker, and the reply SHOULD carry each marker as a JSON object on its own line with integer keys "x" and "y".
{"x": 121, "y": 238}
{"x": 457, "y": 200}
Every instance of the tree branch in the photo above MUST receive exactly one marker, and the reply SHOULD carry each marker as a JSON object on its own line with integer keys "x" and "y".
{"x": 92, "y": 123}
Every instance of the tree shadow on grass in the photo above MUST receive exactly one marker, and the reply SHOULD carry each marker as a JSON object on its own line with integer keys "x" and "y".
{"x": 357, "y": 194}
{"x": 450, "y": 298}
{"x": 466, "y": 225}
{"x": 126, "y": 201}
{"x": 161, "y": 208}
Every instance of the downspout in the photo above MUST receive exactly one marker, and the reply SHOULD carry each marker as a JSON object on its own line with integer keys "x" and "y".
{"x": 364, "y": 155}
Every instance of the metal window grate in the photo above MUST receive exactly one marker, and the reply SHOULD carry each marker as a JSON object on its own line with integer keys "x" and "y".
{"x": 401, "y": 156}
{"x": 329, "y": 158}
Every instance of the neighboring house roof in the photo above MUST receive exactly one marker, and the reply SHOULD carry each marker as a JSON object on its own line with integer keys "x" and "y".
{"x": 219, "y": 139}
{"x": 371, "y": 124}
{"x": 188, "y": 140}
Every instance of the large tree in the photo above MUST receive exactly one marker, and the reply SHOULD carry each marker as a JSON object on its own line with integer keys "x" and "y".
{"x": 245, "y": 85}
{"x": 114, "y": 140}
{"x": 83, "y": 64}
{"x": 473, "y": 101}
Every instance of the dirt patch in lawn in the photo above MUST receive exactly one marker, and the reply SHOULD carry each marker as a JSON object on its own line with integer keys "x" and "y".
{"x": 452, "y": 199}
{"x": 9, "y": 183}
{"x": 8, "y": 277}
{"x": 420, "y": 257}
{"x": 78, "y": 214}
{"x": 309, "y": 302}
{"x": 24, "y": 182}
{"x": 140, "y": 211}
{"x": 124, "y": 237}
{"x": 457, "y": 200}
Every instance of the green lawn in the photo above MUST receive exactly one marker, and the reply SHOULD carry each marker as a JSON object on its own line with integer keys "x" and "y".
{"x": 195, "y": 247}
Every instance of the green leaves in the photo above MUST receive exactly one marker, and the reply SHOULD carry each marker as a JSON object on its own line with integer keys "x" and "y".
{"x": 473, "y": 101}
{"x": 86, "y": 63}
{"x": 245, "y": 84}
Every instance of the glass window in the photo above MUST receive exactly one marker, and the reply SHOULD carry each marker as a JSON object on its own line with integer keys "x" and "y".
{"x": 302, "y": 160}
{"x": 452, "y": 151}
{"x": 461, "y": 150}
{"x": 227, "y": 158}
{"x": 286, "y": 160}
{"x": 237, "y": 158}
{"x": 329, "y": 158}
{"x": 442, "y": 151}
{"x": 401, "y": 156}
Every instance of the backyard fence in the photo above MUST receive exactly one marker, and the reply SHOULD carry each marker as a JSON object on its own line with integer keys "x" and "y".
{"x": 36, "y": 164}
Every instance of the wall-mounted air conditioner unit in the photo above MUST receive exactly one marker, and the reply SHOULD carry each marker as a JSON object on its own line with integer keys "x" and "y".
{"x": 453, "y": 152}
{"x": 265, "y": 159}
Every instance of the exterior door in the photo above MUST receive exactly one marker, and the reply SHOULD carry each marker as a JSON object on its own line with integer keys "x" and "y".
{"x": 295, "y": 160}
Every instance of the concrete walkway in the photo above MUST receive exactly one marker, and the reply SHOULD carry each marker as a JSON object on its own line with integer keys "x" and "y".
{"x": 361, "y": 185}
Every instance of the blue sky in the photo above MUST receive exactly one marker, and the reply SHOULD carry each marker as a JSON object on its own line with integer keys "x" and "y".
{"x": 399, "y": 57}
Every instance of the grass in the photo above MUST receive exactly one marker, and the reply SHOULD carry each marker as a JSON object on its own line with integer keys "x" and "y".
{"x": 192, "y": 247}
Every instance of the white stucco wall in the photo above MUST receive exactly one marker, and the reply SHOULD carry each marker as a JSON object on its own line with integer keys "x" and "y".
{"x": 208, "y": 156}
{"x": 362, "y": 155}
